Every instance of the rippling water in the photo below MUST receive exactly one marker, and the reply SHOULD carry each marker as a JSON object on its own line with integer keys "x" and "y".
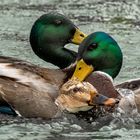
{"x": 120, "y": 18}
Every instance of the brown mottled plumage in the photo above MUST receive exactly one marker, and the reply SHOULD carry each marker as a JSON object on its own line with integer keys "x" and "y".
{"x": 34, "y": 91}
{"x": 24, "y": 84}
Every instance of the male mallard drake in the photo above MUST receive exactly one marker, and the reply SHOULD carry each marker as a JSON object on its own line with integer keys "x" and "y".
{"x": 99, "y": 52}
{"x": 33, "y": 91}
{"x": 50, "y": 33}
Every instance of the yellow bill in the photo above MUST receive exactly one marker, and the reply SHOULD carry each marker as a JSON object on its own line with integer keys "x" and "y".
{"x": 82, "y": 70}
{"x": 78, "y": 37}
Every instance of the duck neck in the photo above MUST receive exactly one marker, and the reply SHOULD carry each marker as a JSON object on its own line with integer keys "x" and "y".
{"x": 112, "y": 63}
{"x": 55, "y": 54}
{"x": 52, "y": 50}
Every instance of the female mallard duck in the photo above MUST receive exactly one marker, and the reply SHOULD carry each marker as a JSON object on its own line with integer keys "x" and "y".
{"x": 34, "y": 91}
{"x": 49, "y": 34}
{"x": 128, "y": 96}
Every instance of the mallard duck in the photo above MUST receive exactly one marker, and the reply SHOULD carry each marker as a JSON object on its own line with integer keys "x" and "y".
{"x": 99, "y": 52}
{"x": 50, "y": 33}
{"x": 33, "y": 91}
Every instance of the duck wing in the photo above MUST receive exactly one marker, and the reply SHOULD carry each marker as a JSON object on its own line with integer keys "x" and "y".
{"x": 26, "y": 101}
{"x": 38, "y": 78}
{"x": 103, "y": 83}
{"x": 133, "y": 84}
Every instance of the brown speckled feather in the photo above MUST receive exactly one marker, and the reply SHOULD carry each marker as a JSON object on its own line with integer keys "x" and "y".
{"x": 38, "y": 78}
{"x": 27, "y": 101}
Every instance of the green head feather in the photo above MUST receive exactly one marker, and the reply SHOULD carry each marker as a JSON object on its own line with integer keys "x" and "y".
{"x": 102, "y": 51}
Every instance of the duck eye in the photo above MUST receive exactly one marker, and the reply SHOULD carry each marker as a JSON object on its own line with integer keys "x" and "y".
{"x": 93, "y": 46}
{"x": 58, "y": 22}
{"x": 76, "y": 89}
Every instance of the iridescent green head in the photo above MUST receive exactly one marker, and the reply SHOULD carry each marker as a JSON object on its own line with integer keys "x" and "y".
{"x": 48, "y": 36}
{"x": 102, "y": 52}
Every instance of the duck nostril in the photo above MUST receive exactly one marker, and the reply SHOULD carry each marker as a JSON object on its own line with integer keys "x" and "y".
{"x": 80, "y": 68}
{"x": 82, "y": 35}
{"x": 97, "y": 95}
{"x": 117, "y": 101}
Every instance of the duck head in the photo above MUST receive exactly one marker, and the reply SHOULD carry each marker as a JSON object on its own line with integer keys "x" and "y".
{"x": 78, "y": 96}
{"x": 98, "y": 52}
{"x": 50, "y": 33}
